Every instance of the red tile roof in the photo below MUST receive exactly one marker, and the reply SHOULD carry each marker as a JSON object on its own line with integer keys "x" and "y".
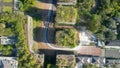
{"x": 90, "y": 50}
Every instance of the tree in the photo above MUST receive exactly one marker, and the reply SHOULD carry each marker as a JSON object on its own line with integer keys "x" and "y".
{"x": 94, "y": 23}
{"x": 26, "y": 4}
{"x": 110, "y": 35}
{"x": 111, "y": 24}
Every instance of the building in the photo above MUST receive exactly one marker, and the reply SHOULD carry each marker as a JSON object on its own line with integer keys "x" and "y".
{"x": 84, "y": 60}
{"x": 90, "y": 50}
{"x": 113, "y": 44}
{"x": 7, "y": 40}
{"x": 8, "y": 62}
{"x": 66, "y": 2}
{"x": 112, "y": 53}
{"x": 91, "y": 60}
{"x": 65, "y": 60}
{"x": 112, "y": 61}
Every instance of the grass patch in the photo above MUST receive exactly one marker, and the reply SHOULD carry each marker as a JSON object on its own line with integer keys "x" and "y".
{"x": 7, "y": 0}
{"x": 66, "y": 14}
{"x": 7, "y": 9}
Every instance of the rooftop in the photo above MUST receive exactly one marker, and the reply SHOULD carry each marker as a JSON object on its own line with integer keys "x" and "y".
{"x": 10, "y": 62}
{"x": 7, "y": 40}
{"x": 112, "y": 53}
{"x": 113, "y": 61}
{"x": 86, "y": 60}
{"x": 90, "y": 50}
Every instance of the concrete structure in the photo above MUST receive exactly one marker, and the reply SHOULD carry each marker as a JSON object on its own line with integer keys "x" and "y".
{"x": 7, "y": 40}
{"x": 63, "y": 2}
{"x": 8, "y": 62}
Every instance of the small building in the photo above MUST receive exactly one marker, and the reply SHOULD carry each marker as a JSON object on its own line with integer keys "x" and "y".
{"x": 66, "y": 2}
{"x": 8, "y": 62}
{"x": 65, "y": 60}
{"x": 7, "y": 40}
{"x": 112, "y": 53}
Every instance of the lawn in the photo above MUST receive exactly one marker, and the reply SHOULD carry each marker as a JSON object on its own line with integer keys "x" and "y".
{"x": 7, "y": 0}
{"x": 66, "y": 14}
{"x": 7, "y": 8}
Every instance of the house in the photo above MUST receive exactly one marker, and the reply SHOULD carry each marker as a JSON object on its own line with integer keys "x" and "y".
{"x": 65, "y": 60}
{"x": 66, "y": 2}
{"x": 90, "y": 50}
{"x": 7, "y": 40}
{"x": 8, "y": 62}
{"x": 112, "y": 53}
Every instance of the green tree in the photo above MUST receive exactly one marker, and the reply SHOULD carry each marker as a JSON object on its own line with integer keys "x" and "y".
{"x": 94, "y": 23}
{"x": 110, "y": 35}
{"x": 111, "y": 24}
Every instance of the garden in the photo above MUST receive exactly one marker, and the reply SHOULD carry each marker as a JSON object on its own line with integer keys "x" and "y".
{"x": 66, "y": 38}
{"x": 66, "y": 14}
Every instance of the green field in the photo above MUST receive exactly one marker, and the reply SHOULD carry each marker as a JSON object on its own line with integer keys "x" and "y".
{"x": 7, "y": 9}
{"x": 7, "y": 0}
{"x": 66, "y": 14}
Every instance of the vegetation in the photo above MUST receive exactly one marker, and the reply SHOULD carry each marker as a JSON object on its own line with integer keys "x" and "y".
{"x": 99, "y": 17}
{"x": 90, "y": 66}
{"x": 66, "y": 38}
{"x": 8, "y": 0}
{"x": 7, "y": 9}
{"x": 26, "y": 4}
{"x": 66, "y": 14}
{"x": 6, "y": 50}
{"x": 23, "y": 55}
